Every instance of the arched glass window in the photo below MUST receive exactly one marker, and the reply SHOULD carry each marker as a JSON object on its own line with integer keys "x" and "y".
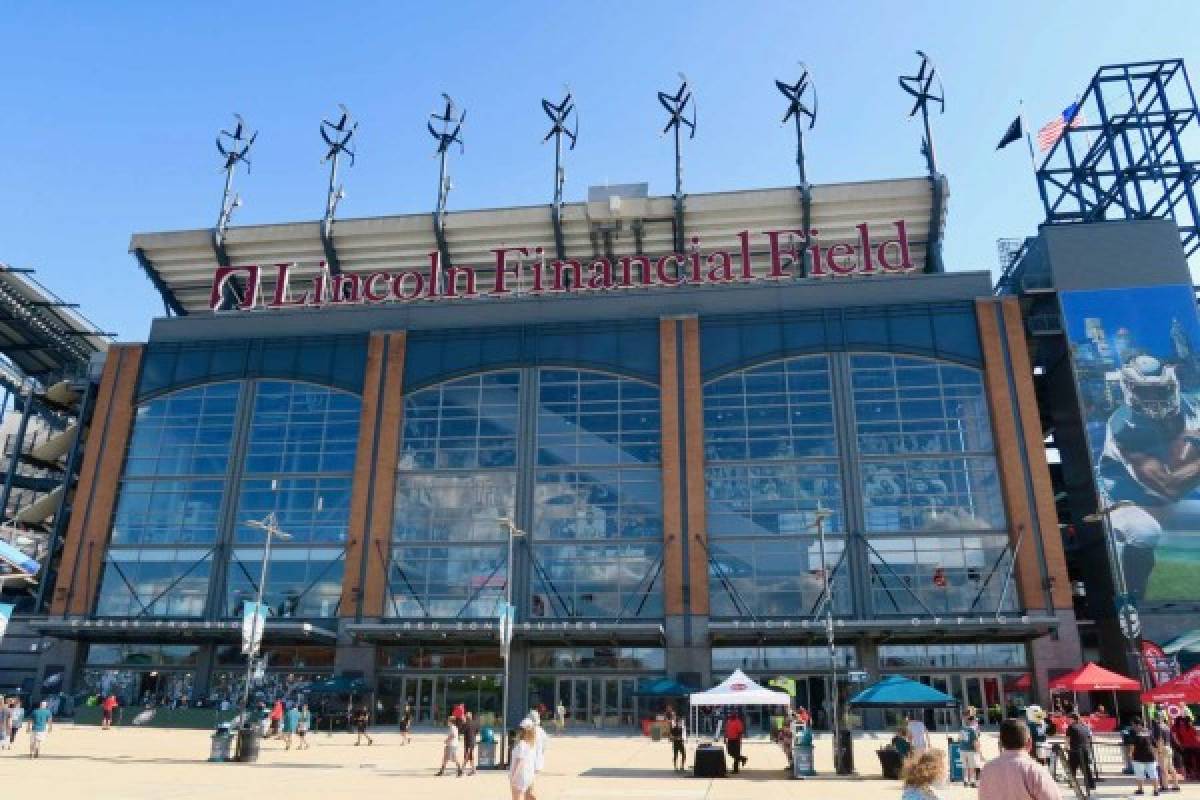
{"x": 771, "y": 456}
{"x": 457, "y": 475}
{"x": 597, "y": 512}
{"x": 298, "y": 441}
{"x": 167, "y": 518}
{"x": 299, "y": 465}
{"x": 932, "y": 504}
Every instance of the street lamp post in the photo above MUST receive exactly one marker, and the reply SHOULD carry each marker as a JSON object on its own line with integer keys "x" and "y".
{"x": 269, "y": 526}
{"x": 508, "y": 620}
{"x": 1127, "y": 614}
{"x": 820, "y": 515}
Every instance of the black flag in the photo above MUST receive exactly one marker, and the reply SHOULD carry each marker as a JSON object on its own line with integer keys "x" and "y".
{"x": 1011, "y": 135}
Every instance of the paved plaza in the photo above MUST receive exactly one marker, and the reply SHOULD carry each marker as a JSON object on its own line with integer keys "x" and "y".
{"x": 136, "y": 763}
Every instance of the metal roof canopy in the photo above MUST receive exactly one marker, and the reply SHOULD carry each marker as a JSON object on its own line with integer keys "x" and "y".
{"x": 40, "y": 333}
{"x": 180, "y": 264}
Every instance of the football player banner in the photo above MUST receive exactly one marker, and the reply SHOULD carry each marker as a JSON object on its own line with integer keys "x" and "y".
{"x": 1136, "y": 357}
{"x": 254, "y": 620}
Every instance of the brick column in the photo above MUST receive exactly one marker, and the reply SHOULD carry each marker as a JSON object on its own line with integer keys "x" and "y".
{"x": 673, "y": 604}
{"x": 1011, "y": 466}
{"x": 374, "y": 489}
{"x": 693, "y": 472}
{"x": 95, "y": 494}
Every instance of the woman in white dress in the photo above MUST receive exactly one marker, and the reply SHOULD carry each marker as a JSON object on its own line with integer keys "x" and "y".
{"x": 450, "y": 750}
{"x": 521, "y": 767}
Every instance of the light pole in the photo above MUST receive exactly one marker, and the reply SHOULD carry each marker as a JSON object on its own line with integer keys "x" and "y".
{"x": 1126, "y": 613}
{"x": 507, "y": 620}
{"x": 819, "y": 516}
{"x": 269, "y": 526}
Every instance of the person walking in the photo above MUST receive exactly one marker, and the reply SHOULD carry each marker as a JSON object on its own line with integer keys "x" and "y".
{"x": 41, "y": 722}
{"x": 901, "y": 743}
{"x": 470, "y": 735}
{"x": 1142, "y": 756}
{"x": 918, "y": 736}
{"x": 263, "y": 716}
{"x": 276, "y": 718}
{"x": 521, "y": 770}
{"x": 291, "y": 721}
{"x": 1168, "y": 776}
{"x": 560, "y": 716}
{"x": 921, "y": 773}
{"x": 406, "y": 718}
{"x": 1079, "y": 750}
{"x": 450, "y": 747}
{"x": 303, "y": 725}
{"x": 970, "y": 748}
{"x": 107, "y": 706}
{"x": 16, "y": 716}
{"x": 678, "y": 734}
{"x": 1014, "y": 775}
{"x": 361, "y": 719}
{"x": 539, "y": 750}
{"x": 734, "y": 731}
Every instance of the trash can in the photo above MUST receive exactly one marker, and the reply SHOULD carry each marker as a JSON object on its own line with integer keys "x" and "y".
{"x": 844, "y": 753}
{"x": 248, "y": 741}
{"x": 802, "y": 754}
{"x": 485, "y": 748}
{"x": 956, "y": 763}
{"x": 222, "y": 744}
{"x": 890, "y": 762}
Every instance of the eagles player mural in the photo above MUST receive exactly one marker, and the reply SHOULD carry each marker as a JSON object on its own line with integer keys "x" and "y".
{"x": 1134, "y": 357}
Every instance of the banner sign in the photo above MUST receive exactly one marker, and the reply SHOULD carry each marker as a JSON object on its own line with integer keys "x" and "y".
{"x": 254, "y": 620}
{"x": 507, "y": 617}
{"x": 1159, "y": 666}
{"x": 1136, "y": 356}
{"x": 6, "y": 610}
{"x": 515, "y": 267}
{"x": 18, "y": 559}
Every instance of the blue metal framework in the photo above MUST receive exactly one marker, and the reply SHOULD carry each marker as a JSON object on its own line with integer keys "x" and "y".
{"x": 1123, "y": 156}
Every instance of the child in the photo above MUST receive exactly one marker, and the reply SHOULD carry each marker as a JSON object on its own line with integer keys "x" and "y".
{"x": 921, "y": 773}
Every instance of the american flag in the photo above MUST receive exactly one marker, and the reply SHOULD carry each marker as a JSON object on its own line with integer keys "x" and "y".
{"x": 1053, "y": 130}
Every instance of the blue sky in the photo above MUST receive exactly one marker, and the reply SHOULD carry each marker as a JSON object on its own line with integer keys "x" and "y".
{"x": 111, "y": 108}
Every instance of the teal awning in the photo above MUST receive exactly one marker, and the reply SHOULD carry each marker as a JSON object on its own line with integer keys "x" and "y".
{"x": 663, "y": 687}
{"x": 899, "y": 692}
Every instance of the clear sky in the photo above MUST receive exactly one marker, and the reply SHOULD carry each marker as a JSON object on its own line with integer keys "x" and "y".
{"x": 111, "y": 108}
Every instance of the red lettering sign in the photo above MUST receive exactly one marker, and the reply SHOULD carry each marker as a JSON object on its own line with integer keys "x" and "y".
{"x": 527, "y": 270}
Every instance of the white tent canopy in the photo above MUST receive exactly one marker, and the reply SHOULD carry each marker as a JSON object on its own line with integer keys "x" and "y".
{"x": 739, "y": 690}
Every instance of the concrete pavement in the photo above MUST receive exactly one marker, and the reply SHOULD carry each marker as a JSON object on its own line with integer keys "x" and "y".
{"x": 153, "y": 764}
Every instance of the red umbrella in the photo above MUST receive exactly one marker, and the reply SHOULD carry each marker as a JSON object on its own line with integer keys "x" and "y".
{"x": 1093, "y": 678}
{"x": 1184, "y": 689}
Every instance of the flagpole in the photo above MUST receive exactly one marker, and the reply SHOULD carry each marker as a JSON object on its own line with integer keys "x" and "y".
{"x": 1028, "y": 138}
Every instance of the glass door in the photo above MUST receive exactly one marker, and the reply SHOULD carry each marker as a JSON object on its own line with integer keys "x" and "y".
{"x": 574, "y": 694}
{"x": 427, "y": 697}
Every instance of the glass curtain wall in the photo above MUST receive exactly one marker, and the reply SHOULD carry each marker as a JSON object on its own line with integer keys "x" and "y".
{"x": 932, "y": 537}
{"x": 299, "y": 465}
{"x": 771, "y": 459}
{"x": 298, "y": 441}
{"x": 933, "y": 508}
{"x": 165, "y": 527}
{"x": 457, "y": 477}
{"x": 597, "y": 507}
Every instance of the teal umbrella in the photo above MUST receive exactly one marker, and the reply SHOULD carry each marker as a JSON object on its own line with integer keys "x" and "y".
{"x": 899, "y": 692}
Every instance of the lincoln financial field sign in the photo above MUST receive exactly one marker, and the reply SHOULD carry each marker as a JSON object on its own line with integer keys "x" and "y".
{"x": 525, "y": 266}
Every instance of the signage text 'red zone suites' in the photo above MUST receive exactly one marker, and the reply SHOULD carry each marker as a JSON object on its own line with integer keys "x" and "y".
{"x": 531, "y": 269}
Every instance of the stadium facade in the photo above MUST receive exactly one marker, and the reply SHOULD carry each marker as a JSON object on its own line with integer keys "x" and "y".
{"x": 660, "y": 404}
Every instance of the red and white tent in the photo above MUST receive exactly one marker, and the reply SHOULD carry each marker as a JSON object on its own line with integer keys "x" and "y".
{"x": 1184, "y": 689}
{"x": 1093, "y": 678}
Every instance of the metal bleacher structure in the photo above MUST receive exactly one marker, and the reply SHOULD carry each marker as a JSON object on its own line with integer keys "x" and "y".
{"x": 47, "y": 356}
